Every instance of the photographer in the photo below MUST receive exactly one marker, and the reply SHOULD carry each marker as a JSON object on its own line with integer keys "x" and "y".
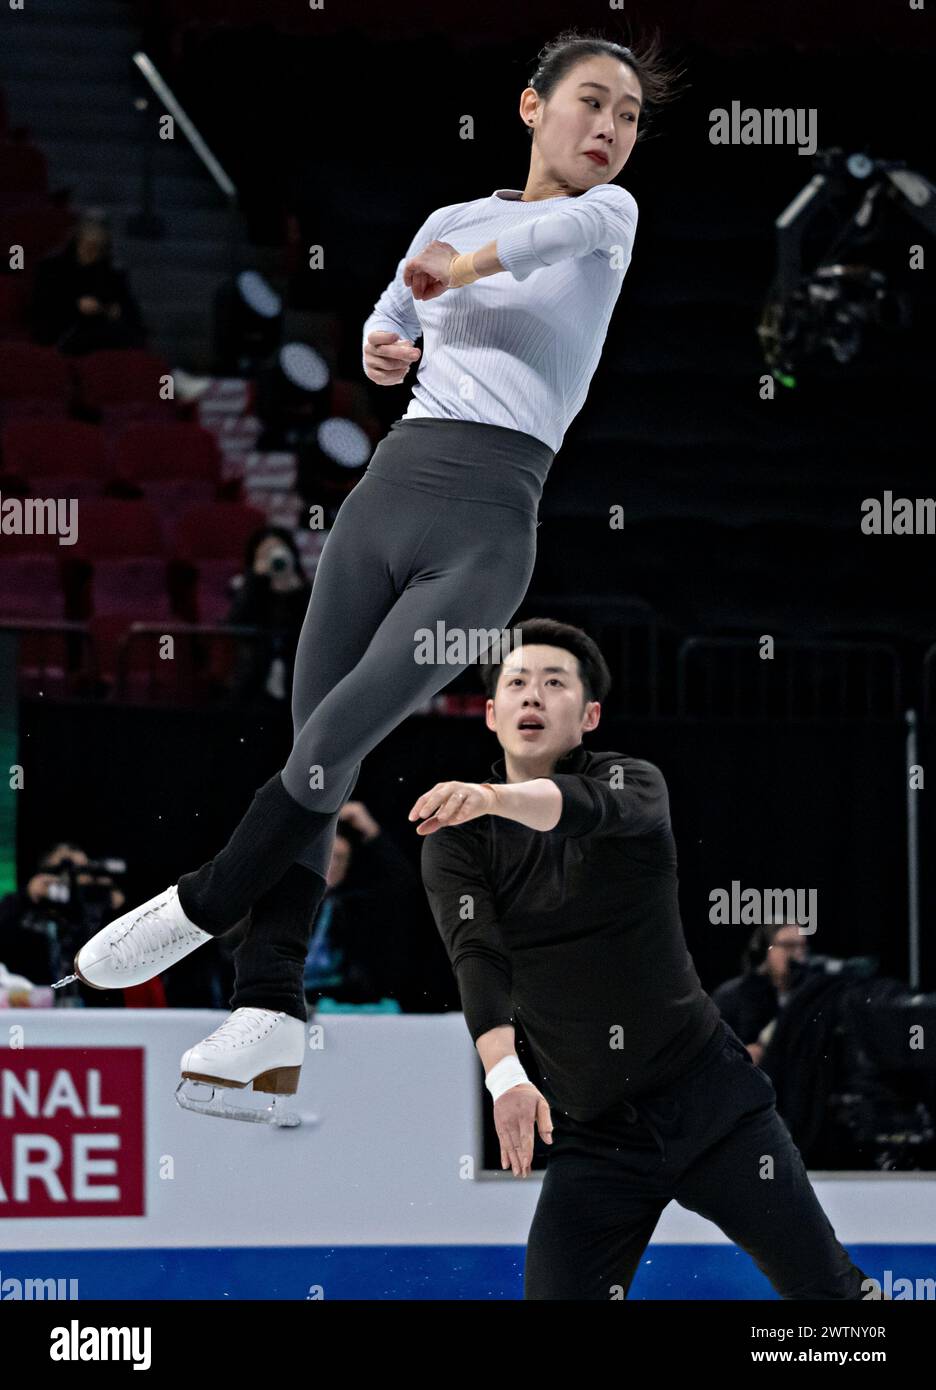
{"x": 63, "y": 903}
{"x": 370, "y": 881}
{"x": 272, "y": 594}
{"x": 750, "y": 1003}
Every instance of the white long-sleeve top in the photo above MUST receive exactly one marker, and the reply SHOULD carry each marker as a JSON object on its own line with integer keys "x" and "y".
{"x": 517, "y": 349}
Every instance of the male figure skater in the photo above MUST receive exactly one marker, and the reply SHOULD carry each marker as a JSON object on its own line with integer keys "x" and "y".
{"x": 554, "y": 888}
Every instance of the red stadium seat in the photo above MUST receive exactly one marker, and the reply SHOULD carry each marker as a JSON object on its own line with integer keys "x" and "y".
{"x": 124, "y": 591}
{"x": 124, "y": 383}
{"x": 57, "y": 448}
{"x": 213, "y": 595}
{"x": 14, "y": 308}
{"x": 110, "y": 527}
{"x": 217, "y": 531}
{"x": 66, "y": 485}
{"x": 37, "y": 543}
{"x": 39, "y": 230}
{"x": 171, "y": 450}
{"x": 172, "y": 497}
{"x": 107, "y": 632}
{"x": 134, "y": 586}
{"x": 53, "y": 657}
{"x": 33, "y": 381}
{"x": 30, "y": 587}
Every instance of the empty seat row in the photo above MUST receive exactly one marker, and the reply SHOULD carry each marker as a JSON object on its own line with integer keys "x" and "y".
{"x": 110, "y": 528}
{"x": 48, "y": 588}
{"x": 115, "y": 384}
{"x": 37, "y": 448}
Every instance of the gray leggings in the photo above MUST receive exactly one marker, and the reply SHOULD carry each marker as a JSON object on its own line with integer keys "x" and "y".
{"x": 440, "y": 529}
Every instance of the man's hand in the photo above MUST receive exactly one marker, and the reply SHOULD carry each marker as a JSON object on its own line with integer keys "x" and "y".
{"x": 429, "y": 274}
{"x": 387, "y": 357}
{"x": 452, "y": 803}
{"x": 514, "y": 1115}
{"x": 756, "y": 1050}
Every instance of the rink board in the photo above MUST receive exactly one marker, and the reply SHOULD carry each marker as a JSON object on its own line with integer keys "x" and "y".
{"x": 104, "y": 1180}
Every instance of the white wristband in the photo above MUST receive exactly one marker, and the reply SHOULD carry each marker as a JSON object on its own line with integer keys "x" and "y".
{"x": 508, "y": 1072}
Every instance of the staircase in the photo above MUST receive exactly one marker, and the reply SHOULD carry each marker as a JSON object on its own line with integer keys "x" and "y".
{"x": 67, "y": 73}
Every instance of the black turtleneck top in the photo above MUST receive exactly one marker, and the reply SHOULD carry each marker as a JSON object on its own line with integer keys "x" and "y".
{"x": 575, "y": 933}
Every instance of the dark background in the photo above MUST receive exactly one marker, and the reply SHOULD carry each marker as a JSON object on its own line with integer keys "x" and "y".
{"x": 742, "y": 516}
{"x": 781, "y": 805}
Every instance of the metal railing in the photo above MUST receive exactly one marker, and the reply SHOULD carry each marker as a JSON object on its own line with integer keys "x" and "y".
{"x": 147, "y": 223}
{"x": 726, "y": 677}
{"x": 929, "y": 682}
{"x": 655, "y": 672}
{"x": 161, "y": 89}
{"x": 630, "y": 635}
{"x": 201, "y": 667}
{"x": 53, "y": 657}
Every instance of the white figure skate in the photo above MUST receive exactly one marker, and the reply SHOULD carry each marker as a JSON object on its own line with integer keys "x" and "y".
{"x": 140, "y": 944}
{"x": 254, "y": 1045}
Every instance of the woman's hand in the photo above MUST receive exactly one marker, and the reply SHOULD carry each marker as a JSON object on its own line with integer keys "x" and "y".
{"x": 429, "y": 273}
{"x": 387, "y": 357}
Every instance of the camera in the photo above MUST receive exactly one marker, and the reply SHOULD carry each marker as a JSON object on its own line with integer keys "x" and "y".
{"x": 72, "y": 910}
{"x": 280, "y": 560}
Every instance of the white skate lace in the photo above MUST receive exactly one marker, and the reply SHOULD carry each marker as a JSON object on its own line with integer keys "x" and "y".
{"x": 240, "y": 1027}
{"x": 147, "y": 941}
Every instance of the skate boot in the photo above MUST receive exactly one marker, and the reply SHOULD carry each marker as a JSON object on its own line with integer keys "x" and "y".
{"x": 258, "y": 1046}
{"x": 140, "y": 944}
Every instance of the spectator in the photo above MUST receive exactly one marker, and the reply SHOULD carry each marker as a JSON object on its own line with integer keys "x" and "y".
{"x": 82, "y": 301}
{"x": 42, "y": 925}
{"x": 272, "y": 594}
{"x": 356, "y": 953}
{"x": 750, "y": 1002}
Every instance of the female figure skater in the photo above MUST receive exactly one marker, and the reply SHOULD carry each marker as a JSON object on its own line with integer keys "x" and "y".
{"x": 513, "y": 294}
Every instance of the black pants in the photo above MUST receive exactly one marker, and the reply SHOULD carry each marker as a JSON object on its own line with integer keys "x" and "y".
{"x": 712, "y": 1141}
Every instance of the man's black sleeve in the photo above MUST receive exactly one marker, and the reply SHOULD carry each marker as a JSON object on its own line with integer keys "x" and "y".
{"x": 463, "y": 907}
{"x": 726, "y": 1000}
{"x": 617, "y": 796}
